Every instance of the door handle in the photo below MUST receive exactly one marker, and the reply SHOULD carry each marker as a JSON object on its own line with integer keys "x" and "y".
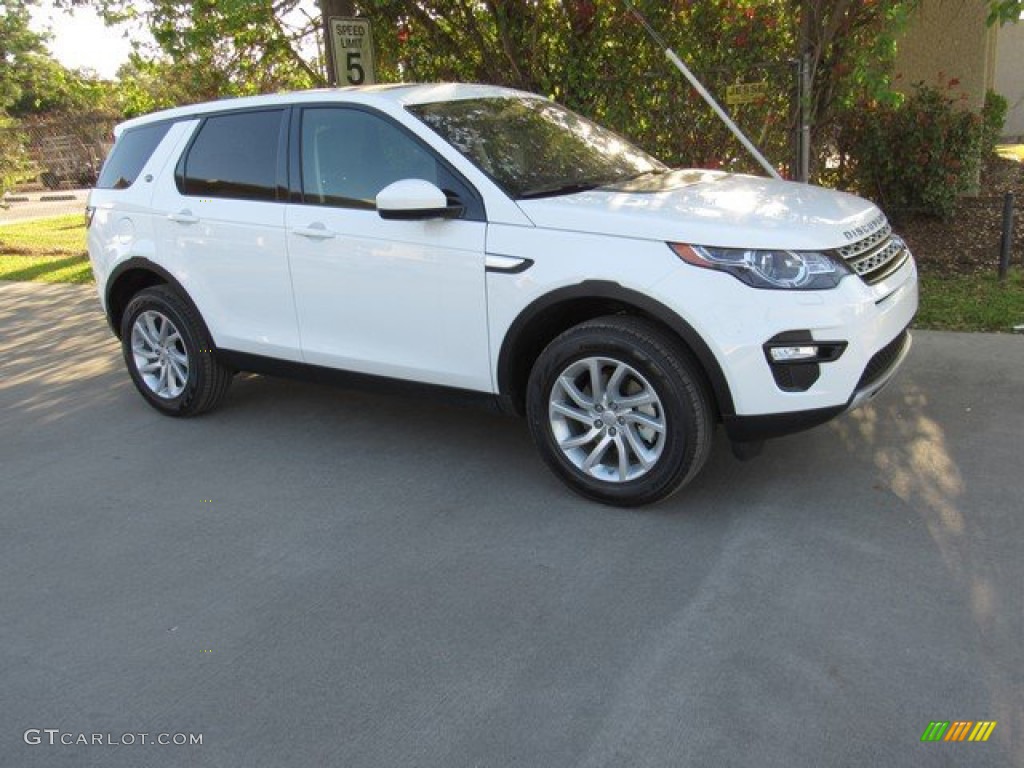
{"x": 183, "y": 217}
{"x": 315, "y": 231}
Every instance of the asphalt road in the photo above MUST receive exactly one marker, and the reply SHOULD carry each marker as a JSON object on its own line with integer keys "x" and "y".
{"x": 315, "y": 577}
{"x": 42, "y": 205}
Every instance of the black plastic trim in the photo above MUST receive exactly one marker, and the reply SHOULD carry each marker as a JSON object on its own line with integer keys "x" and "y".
{"x": 745, "y": 429}
{"x": 422, "y": 214}
{"x": 294, "y": 157}
{"x": 244, "y": 361}
{"x": 800, "y": 375}
{"x": 602, "y": 289}
{"x": 145, "y": 265}
{"x": 522, "y": 266}
{"x": 283, "y": 161}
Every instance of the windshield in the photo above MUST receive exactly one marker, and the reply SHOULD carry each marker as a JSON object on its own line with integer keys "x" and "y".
{"x": 532, "y": 147}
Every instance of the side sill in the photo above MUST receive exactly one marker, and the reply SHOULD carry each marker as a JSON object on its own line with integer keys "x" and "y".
{"x": 269, "y": 366}
{"x": 746, "y": 429}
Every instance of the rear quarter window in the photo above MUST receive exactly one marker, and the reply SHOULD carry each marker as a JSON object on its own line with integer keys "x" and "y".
{"x": 130, "y": 153}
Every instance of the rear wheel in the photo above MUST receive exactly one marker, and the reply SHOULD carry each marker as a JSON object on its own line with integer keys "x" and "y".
{"x": 619, "y": 411}
{"x": 169, "y": 354}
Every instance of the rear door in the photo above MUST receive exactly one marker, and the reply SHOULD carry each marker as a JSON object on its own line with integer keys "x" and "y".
{"x": 222, "y": 230}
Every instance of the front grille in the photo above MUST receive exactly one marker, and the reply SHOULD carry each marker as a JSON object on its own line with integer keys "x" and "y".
{"x": 883, "y": 360}
{"x": 876, "y": 256}
{"x": 855, "y": 249}
{"x": 795, "y": 377}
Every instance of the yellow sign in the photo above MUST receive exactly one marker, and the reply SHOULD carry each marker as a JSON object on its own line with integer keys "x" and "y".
{"x": 746, "y": 93}
{"x": 352, "y": 46}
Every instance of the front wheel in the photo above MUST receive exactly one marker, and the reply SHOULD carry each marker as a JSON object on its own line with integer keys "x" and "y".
{"x": 619, "y": 411}
{"x": 170, "y": 355}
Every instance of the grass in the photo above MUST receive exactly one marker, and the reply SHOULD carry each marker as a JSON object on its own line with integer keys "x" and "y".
{"x": 46, "y": 251}
{"x": 971, "y": 302}
{"x": 53, "y": 251}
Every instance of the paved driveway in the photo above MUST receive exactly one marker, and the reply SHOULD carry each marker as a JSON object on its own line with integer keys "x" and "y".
{"x": 313, "y": 577}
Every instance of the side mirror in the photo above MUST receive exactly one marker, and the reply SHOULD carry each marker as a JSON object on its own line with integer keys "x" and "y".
{"x": 414, "y": 200}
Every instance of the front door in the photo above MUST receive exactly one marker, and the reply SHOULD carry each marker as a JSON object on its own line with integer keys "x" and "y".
{"x": 403, "y": 299}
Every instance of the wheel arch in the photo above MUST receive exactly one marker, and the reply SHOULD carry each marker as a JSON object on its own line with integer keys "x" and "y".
{"x": 548, "y": 316}
{"x": 133, "y": 275}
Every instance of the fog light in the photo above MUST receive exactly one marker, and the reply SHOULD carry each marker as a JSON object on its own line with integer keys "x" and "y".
{"x": 793, "y": 354}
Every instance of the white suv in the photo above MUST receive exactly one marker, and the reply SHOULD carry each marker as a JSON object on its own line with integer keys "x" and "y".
{"x": 489, "y": 244}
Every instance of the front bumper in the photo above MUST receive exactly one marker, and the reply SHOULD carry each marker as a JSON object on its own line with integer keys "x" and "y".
{"x": 871, "y": 320}
{"x": 748, "y": 429}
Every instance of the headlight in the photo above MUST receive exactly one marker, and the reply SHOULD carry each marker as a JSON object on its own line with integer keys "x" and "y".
{"x": 795, "y": 270}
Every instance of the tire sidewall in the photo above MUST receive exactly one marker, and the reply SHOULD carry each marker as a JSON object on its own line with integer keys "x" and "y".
{"x": 145, "y": 301}
{"x": 680, "y": 414}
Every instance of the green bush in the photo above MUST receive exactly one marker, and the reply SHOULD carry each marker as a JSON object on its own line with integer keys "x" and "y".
{"x": 993, "y": 117}
{"x": 917, "y": 156}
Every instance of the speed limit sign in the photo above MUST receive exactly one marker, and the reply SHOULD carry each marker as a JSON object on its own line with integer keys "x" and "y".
{"x": 352, "y": 46}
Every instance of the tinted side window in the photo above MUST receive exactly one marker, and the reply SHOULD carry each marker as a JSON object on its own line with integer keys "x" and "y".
{"x": 235, "y": 156}
{"x": 129, "y": 155}
{"x": 348, "y": 156}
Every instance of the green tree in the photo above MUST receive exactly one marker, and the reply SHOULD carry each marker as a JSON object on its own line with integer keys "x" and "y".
{"x": 1005, "y": 11}
{"x": 18, "y": 45}
{"x": 47, "y": 87}
{"x": 213, "y": 48}
{"x": 590, "y": 54}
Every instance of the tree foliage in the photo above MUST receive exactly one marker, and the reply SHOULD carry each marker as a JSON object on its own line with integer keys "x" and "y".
{"x": 215, "y": 48}
{"x": 592, "y": 55}
{"x": 917, "y": 156}
{"x": 1005, "y": 11}
{"x": 18, "y": 44}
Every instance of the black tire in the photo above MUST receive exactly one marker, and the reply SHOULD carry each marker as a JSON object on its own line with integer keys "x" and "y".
{"x": 205, "y": 380}
{"x": 656, "y": 365}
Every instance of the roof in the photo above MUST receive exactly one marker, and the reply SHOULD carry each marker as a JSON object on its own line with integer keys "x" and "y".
{"x": 391, "y": 94}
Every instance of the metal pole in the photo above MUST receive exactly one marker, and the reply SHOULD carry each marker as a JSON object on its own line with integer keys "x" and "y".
{"x": 805, "y": 117}
{"x": 697, "y": 86}
{"x": 796, "y": 137}
{"x": 1007, "y": 242}
{"x": 803, "y": 52}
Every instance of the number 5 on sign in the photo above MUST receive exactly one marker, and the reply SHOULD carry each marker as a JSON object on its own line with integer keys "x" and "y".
{"x": 352, "y": 46}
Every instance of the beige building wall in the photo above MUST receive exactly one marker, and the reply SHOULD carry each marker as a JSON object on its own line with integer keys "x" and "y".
{"x": 1009, "y": 76}
{"x": 949, "y": 40}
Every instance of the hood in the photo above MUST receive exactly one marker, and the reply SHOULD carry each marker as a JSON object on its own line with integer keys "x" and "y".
{"x": 711, "y": 208}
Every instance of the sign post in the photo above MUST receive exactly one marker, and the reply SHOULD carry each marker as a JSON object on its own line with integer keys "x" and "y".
{"x": 746, "y": 93}
{"x": 351, "y": 43}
